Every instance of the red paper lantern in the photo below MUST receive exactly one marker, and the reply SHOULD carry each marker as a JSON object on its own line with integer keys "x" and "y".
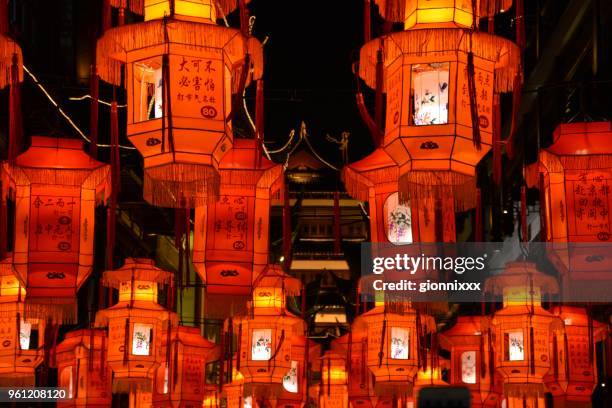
{"x": 394, "y": 334}
{"x": 271, "y": 344}
{"x": 136, "y": 324}
{"x": 523, "y": 331}
{"x": 574, "y": 374}
{"x": 181, "y": 72}
{"x": 442, "y": 81}
{"x": 469, "y": 342}
{"x": 334, "y": 390}
{"x": 56, "y": 187}
{"x": 180, "y": 381}
{"x": 19, "y": 354}
{"x": 82, "y": 369}
{"x": 575, "y": 175}
{"x": 231, "y": 236}
{"x": 360, "y": 386}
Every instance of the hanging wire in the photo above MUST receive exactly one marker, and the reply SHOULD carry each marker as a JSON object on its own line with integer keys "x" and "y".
{"x": 61, "y": 111}
{"x": 100, "y": 101}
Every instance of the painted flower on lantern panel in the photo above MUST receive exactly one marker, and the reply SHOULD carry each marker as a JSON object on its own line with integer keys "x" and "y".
{"x": 141, "y": 340}
{"x": 468, "y": 367}
{"x": 516, "y": 350}
{"x": 430, "y": 93}
{"x": 290, "y": 380}
{"x": 398, "y": 224}
{"x": 399, "y": 343}
{"x": 25, "y": 330}
{"x": 261, "y": 344}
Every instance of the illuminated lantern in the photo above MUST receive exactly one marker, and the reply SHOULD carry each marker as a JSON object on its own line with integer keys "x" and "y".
{"x": 470, "y": 361}
{"x": 82, "y": 371}
{"x": 234, "y": 390}
{"x": 136, "y": 324}
{"x": 21, "y": 338}
{"x": 333, "y": 381}
{"x": 522, "y": 332}
{"x": 271, "y": 339}
{"x": 439, "y": 13}
{"x": 574, "y": 377}
{"x": 575, "y": 179}
{"x": 440, "y": 83}
{"x": 394, "y": 335}
{"x": 180, "y": 381}
{"x": 360, "y": 386}
{"x": 56, "y": 187}
{"x": 181, "y": 73}
{"x": 231, "y": 236}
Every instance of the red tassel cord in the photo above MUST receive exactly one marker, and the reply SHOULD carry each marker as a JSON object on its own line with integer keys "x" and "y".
{"x": 15, "y": 121}
{"x": 287, "y": 232}
{"x": 244, "y": 18}
{"x": 367, "y": 21}
{"x": 497, "y": 146}
{"x": 106, "y": 15}
{"x": 259, "y": 120}
{"x": 126, "y": 341}
{"x": 471, "y": 80}
{"x": 4, "y": 21}
{"x": 478, "y": 229}
{"x": 524, "y": 236}
{"x": 90, "y": 361}
{"x": 379, "y": 98}
{"x": 222, "y": 361}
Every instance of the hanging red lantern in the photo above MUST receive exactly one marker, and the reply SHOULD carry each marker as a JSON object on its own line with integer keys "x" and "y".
{"x": 522, "y": 332}
{"x": 575, "y": 174}
{"x": 471, "y": 365}
{"x": 82, "y": 370}
{"x": 394, "y": 334}
{"x": 447, "y": 75}
{"x": 334, "y": 390}
{"x": 360, "y": 387}
{"x": 574, "y": 376}
{"x": 20, "y": 351}
{"x": 180, "y": 381}
{"x": 181, "y": 72}
{"x": 136, "y": 324}
{"x": 56, "y": 187}
{"x": 231, "y": 236}
{"x": 270, "y": 348}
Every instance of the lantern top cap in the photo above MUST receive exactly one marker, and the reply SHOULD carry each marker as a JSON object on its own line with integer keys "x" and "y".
{"x": 79, "y": 337}
{"x": 402, "y": 11}
{"x": 137, "y": 269}
{"x": 56, "y": 153}
{"x": 399, "y": 11}
{"x": 274, "y": 277}
{"x": 244, "y": 156}
{"x": 138, "y": 6}
{"x": 521, "y": 274}
{"x": 581, "y": 139}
